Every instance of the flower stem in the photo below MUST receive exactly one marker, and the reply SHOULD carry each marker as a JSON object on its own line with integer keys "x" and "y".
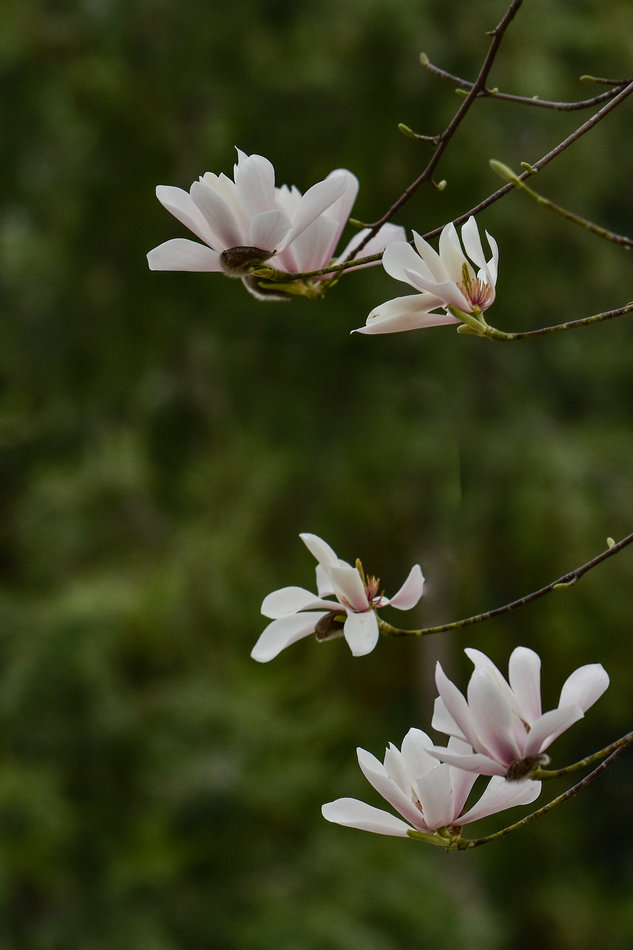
{"x": 567, "y": 580}
{"x": 544, "y": 774}
{"x": 464, "y": 843}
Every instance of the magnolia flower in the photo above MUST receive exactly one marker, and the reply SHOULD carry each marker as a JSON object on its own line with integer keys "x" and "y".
{"x": 296, "y": 612}
{"x": 444, "y": 281}
{"x": 503, "y": 721}
{"x": 249, "y": 221}
{"x": 430, "y": 796}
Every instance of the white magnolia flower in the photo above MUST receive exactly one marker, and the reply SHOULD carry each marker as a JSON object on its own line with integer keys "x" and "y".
{"x": 442, "y": 280}
{"x": 503, "y": 721}
{"x": 430, "y": 796}
{"x": 296, "y": 612}
{"x": 249, "y": 221}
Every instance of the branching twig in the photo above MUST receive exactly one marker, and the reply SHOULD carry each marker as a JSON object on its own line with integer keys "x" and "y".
{"x": 528, "y": 100}
{"x": 443, "y": 139}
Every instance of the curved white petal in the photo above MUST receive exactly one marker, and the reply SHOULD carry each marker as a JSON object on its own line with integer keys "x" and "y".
{"x": 584, "y": 686}
{"x": 312, "y": 248}
{"x": 282, "y": 633}
{"x": 493, "y": 718}
{"x": 436, "y": 797}
{"x": 341, "y": 208}
{"x": 549, "y": 727}
{"x": 472, "y": 242}
{"x": 448, "y": 292}
{"x": 415, "y": 757}
{"x": 255, "y": 183}
{"x": 314, "y": 202}
{"x": 499, "y": 795}
{"x": 451, "y": 252}
{"x": 400, "y": 257}
{"x": 376, "y": 774}
{"x": 228, "y": 231}
{"x": 268, "y": 229}
{"x": 181, "y": 254}
{"x": 325, "y": 587}
{"x": 474, "y": 762}
{"x": 435, "y": 268}
{"x": 355, "y": 814}
{"x": 348, "y": 586}
{"x": 524, "y": 675}
{"x": 454, "y": 707}
{"x": 410, "y": 592}
{"x": 180, "y": 203}
{"x": 406, "y": 313}
{"x": 290, "y": 600}
{"x": 319, "y": 549}
{"x": 361, "y": 632}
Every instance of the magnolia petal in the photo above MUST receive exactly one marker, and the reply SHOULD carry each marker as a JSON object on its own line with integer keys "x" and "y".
{"x": 500, "y": 795}
{"x": 341, "y": 208}
{"x": 400, "y": 257}
{"x": 549, "y": 727}
{"x": 325, "y": 587}
{"x": 314, "y": 202}
{"x": 406, "y": 313}
{"x": 180, "y": 203}
{"x": 433, "y": 262}
{"x": 448, "y": 292}
{"x": 451, "y": 253}
{"x": 473, "y": 762}
{"x": 415, "y": 756}
{"x": 268, "y": 229}
{"x": 471, "y": 240}
{"x": 290, "y": 600}
{"x": 436, "y": 797}
{"x": 282, "y": 633}
{"x": 454, "y": 706}
{"x": 180, "y": 254}
{"x": 348, "y": 586}
{"x": 474, "y": 249}
{"x": 493, "y": 718}
{"x": 355, "y": 814}
{"x": 584, "y": 686}
{"x": 255, "y": 183}
{"x": 376, "y": 774}
{"x": 319, "y": 549}
{"x": 361, "y": 632}
{"x": 228, "y": 231}
{"x": 312, "y": 249}
{"x": 410, "y": 592}
{"x": 524, "y": 675}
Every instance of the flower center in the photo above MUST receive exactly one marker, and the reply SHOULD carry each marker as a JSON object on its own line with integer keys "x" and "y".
{"x": 478, "y": 293}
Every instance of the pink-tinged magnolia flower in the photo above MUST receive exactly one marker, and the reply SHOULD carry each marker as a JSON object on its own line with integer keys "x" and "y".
{"x": 250, "y": 221}
{"x": 296, "y": 612}
{"x": 443, "y": 281}
{"x": 430, "y": 796}
{"x": 502, "y": 720}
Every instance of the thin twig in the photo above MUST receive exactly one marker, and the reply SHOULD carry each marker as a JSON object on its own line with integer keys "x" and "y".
{"x": 542, "y": 162}
{"x": 526, "y": 100}
{"x": 544, "y": 774}
{"x": 443, "y": 140}
{"x": 567, "y": 580}
{"x": 465, "y": 843}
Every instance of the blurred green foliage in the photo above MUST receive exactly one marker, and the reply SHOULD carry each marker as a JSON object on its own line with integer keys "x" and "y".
{"x": 164, "y": 438}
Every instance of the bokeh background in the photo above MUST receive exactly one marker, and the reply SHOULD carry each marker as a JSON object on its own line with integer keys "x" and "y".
{"x": 165, "y": 437}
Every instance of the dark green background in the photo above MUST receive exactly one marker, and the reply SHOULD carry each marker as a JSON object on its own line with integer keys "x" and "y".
{"x": 165, "y": 437}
